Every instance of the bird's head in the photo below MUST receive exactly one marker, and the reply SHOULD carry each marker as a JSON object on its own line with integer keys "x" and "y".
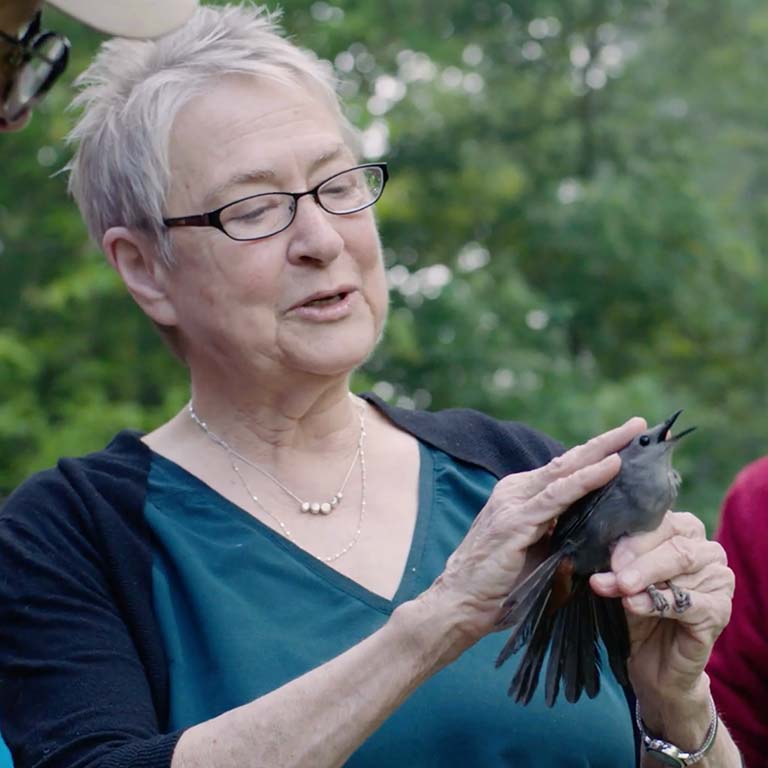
{"x": 653, "y": 444}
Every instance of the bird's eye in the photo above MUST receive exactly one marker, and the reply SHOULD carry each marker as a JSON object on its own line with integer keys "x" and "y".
{"x": 644, "y": 440}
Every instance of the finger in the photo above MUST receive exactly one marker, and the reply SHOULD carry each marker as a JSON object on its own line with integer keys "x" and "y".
{"x": 561, "y": 493}
{"x": 605, "y": 584}
{"x": 711, "y": 578}
{"x": 630, "y": 548}
{"x": 674, "y": 557}
{"x": 583, "y": 455}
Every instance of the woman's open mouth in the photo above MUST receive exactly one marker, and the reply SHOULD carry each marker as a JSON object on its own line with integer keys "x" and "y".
{"x": 327, "y": 306}
{"x": 327, "y": 300}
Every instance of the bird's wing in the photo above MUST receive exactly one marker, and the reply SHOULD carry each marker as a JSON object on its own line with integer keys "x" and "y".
{"x": 572, "y": 522}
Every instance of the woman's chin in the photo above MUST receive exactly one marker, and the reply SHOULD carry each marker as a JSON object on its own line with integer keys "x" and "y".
{"x": 331, "y": 360}
{"x": 331, "y": 351}
{"x": 331, "y": 367}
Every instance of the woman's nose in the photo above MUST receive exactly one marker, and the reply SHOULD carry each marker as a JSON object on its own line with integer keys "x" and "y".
{"x": 313, "y": 234}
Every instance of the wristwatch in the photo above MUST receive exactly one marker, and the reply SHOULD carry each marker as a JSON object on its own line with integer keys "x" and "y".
{"x": 669, "y": 754}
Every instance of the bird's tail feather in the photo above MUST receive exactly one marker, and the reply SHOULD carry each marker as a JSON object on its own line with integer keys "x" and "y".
{"x": 575, "y": 651}
{"x": 526, "y": 679}
{"x": 612, "y": 626}
{"x": 579, "y": 657}
{"x": 525, "y": 607}
{"x": 570, "y": 631}
{"x": 556, "y": 659}
{"x": 571, "y": 634}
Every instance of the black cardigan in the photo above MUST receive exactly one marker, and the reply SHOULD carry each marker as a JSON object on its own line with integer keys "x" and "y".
{"x": 83, "y": 678}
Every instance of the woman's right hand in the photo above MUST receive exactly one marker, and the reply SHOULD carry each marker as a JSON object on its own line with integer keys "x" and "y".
{"x": 497, "y": 550}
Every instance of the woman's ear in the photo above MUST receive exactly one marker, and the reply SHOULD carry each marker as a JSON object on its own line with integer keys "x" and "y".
{"x": 135, "y": 260}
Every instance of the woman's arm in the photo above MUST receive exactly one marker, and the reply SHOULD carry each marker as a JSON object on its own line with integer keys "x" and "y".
{"x": 319, "y": 719}
{"x": 81, "y": 683}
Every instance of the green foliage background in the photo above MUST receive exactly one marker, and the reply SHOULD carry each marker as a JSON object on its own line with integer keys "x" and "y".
{"x": 575, "y": 229}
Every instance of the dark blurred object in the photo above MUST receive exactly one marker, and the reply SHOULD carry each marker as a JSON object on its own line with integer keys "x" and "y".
{"x": 32, "y": 59}
{"x": 36, "y": 59}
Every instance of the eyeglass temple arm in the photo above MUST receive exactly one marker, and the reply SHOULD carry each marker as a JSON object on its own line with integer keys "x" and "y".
{"x": 203, "y": 220}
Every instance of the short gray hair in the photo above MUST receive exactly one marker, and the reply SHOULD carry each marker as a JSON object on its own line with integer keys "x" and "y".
{"x": 133, "y": 90}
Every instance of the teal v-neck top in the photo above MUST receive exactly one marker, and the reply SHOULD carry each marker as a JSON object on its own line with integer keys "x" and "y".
{"x": 243, "y": 610}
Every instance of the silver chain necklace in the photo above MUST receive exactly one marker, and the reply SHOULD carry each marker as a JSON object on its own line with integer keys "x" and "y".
{"x": 232, "y": 454}
{"x": 313, "y": 507}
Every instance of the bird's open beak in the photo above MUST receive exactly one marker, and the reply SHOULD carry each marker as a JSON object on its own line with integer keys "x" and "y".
{"x": 668, "y": 425}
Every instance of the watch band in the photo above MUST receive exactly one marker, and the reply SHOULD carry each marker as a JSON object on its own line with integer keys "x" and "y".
{"x": 668, "y": 753}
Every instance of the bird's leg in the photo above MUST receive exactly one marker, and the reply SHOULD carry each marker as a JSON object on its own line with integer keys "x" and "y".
{"x": 682, "y": 598}
{"x": 660, "y": 603}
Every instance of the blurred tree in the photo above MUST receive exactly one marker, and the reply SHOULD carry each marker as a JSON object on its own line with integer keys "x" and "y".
{"x": 573, "y": 231}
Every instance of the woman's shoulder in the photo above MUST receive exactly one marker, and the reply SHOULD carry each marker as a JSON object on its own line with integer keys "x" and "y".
{"x": 502, "y": 447}
{"x": 111, "y": 478}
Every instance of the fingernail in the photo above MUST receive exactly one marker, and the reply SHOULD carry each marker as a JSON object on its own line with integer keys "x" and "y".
{"x": 638, "y": 601}
{"x": 630, "y": 579}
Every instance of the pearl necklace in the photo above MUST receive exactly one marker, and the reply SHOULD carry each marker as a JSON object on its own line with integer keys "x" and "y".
{"x": 313, "y": 507}
{"x": 232, "y": 454}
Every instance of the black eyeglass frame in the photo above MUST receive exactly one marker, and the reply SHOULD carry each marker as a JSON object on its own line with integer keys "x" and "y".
{"x": 213, "y": 218}
{"x": 24, "y": 50}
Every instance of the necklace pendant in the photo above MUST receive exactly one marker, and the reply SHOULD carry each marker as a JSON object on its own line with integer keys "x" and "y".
{"x": 319, "y": 508}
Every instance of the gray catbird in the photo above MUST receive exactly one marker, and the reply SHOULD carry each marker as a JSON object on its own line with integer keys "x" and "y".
{"x": 555, "y": 605}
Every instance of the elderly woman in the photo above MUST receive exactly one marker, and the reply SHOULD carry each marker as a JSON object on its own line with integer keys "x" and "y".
{"x": 285, "y": 573}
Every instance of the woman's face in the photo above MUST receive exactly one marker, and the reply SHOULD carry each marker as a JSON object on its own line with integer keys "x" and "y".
{"x": 310, "y": 299}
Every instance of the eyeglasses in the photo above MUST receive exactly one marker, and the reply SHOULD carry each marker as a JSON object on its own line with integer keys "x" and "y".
{"x": 259, "y": 216}
{"x": 36, "y": 60}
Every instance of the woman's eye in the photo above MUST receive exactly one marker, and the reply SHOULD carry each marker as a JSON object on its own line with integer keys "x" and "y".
{"x": 253, "y": 211}
{"x": 341, "y": 188}
{"x": 251, "y": 215}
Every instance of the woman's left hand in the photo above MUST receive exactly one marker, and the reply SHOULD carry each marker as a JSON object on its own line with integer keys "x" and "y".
{"x": 669, "y": 651}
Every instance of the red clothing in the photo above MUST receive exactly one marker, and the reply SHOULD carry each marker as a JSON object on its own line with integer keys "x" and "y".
{"x": 739, "y": 663}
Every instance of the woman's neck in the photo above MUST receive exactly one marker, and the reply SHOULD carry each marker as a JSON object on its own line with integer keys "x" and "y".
{"x": 273, "y": 425}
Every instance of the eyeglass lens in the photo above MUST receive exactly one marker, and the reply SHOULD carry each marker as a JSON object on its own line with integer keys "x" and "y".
{"x": 267, "y": 214}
